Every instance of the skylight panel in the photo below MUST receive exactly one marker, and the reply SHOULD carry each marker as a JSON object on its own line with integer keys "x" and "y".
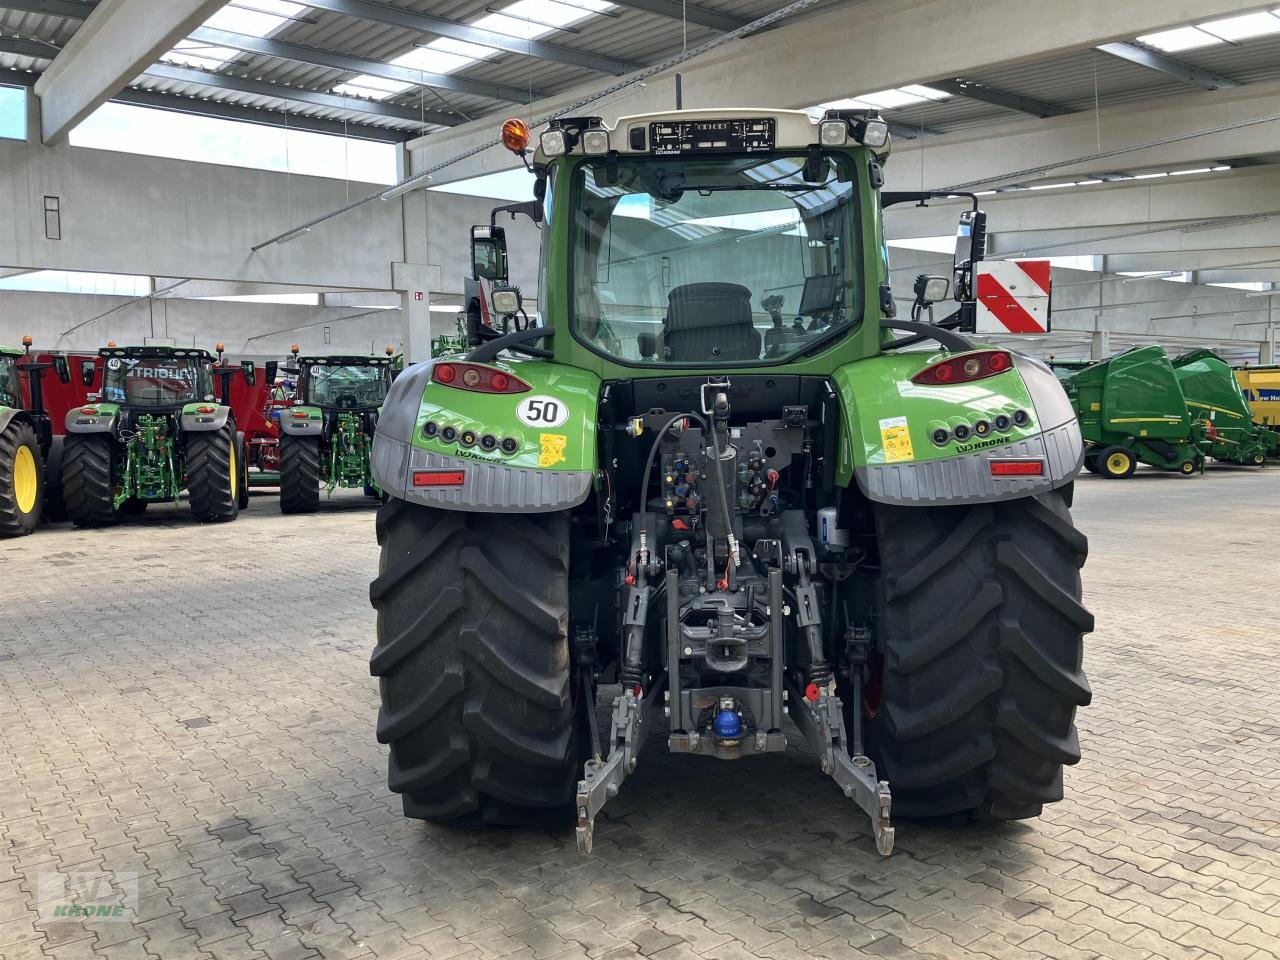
{"x": 1242, "y": 28}
{"x": 900, "y": 97}
{"x": 258, "y": 18}
{"x": 370, "y": 87}
{"x": 1180, "y": 38}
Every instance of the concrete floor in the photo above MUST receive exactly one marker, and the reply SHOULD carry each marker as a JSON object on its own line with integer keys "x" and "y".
{"x": 191, "y": 706}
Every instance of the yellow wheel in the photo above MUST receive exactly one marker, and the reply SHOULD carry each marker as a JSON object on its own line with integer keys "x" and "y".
{"x": 1117, "y": 463}
{"x": 21, "y": 479}
{"x": 1187, "y": 468}
{"x": 1259, "y": 459}
{"x": 235, "y": 472}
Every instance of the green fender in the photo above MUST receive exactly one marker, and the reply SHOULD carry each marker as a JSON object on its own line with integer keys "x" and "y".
{"x": 103, "y": 422}
{"x": 312, "y": 425}
{"x": 521, "y": 452}
{"x": 197, "y": 418}
{"x": 888, "y": 427}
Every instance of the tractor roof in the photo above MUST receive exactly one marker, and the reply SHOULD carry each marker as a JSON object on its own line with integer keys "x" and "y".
{"x": 344, "y": 361}
{"x": 196, "y": 353}
{"x": 706, "y": 132}
{"x": 10, "y": 351}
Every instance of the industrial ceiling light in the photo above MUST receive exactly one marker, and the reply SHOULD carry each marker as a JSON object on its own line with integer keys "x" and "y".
{"x": 400, "y": 189}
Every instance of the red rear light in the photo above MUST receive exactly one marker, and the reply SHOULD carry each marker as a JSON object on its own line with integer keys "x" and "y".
{"x": 89, "y": 411}
{"x": 300, "y": 414}
{"x": 206, "y": 409}
{"x": 439, "y": 478}
{"x": 965, "y": 368}
{"x": 1017, "y": 468}
{"x": 477, "y": 378}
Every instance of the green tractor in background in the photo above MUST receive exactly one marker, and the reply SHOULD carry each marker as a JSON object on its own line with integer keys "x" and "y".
{"x": 29, "y": 452}
{"x": 715, "y": 477}
{"x": 1215, "y": 400}
{"x": 326, "y": 437}
{"x": 154, "y": 430}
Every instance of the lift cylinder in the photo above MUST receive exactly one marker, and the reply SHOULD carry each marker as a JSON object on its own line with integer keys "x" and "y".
{"x": 721, "y": 485}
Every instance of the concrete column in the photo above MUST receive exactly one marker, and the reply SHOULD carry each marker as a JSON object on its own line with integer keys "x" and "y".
{"x": 1100, "y": 344}
{"x": 414, "y": 282}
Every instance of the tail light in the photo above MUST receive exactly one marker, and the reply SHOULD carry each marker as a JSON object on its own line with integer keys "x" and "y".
{"x": 966, "y": 368}
{"x": 439, "y": 478}
{"x": 300, "y": 414}
{"x": 206, "y": 409}
{"x": 89, "y": 411}
{"x": 1017, "y": 468}
{"x": 478, "y": 378}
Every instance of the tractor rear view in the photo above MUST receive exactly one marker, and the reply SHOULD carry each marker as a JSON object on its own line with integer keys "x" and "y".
{"x": 1215, "y": 400}
{"x": 326, "y": 436}
{"x": 1132, "y": 411}
{"x": 155, "y": 430}
{"x": 715, "y": 475}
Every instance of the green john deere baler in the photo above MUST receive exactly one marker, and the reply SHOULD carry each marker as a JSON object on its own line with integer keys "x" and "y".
{"x": 1132, "y": 411}
{"x": 1214, "y": 399}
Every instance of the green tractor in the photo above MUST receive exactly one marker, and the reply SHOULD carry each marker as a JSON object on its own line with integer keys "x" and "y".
{"x": 714, "y": 477}
{"x": 154, "y": 430}
{"x": 29, "y": 452}
{"x": 1215, "y": 400}
{"x": 326, "y": 437}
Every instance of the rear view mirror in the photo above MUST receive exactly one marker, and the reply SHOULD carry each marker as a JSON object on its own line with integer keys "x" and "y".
{"x": 647, "y": 343}
{"x": 971, "y": 239}
{"x": 62, "y": 369}
{"x": 249, "y": 371}
{"x": 271, "y": 367}
{"x": 88, "y": 370}
{"x": 489, "y": 254}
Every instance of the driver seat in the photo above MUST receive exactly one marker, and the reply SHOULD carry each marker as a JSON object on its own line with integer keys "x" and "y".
{"x": 709, "y": 321}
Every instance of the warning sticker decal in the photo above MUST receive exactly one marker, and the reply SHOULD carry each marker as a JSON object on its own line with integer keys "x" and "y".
{"x": 551, "y": 449}
{"x": 895, "y": 437}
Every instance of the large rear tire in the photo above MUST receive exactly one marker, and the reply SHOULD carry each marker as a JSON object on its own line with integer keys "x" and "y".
{"x": 479, "y": 707}
{"x": 982, "y": 631}
{"x": 21, "y": 480}
{"x": 213, "y": 474}
{"x": 243, "y": 462}
{"x": 88, "y": 479}
{"x": 299, "y": 474}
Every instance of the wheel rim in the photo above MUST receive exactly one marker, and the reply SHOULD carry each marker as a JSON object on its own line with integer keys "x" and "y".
{"x": 1188, "y": 467}
{"x": 235, "y": 473}
{"x": 1117, "y": 463}
{"x": 26, "y": 480}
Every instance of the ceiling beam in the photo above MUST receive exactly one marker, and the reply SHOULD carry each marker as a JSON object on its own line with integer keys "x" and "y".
{"x": 318, "y": 98}
{"x": 1167, "y": 65}
{"x": 674, "y": 9}
{"x": 116, "y": 43}
{"x": 28, "y": 48}
{"x": 1010, "y": 101}
{"x": 299, "y": 53}
{"x": 440, "y": 27}
{"x": 269, "y": 118}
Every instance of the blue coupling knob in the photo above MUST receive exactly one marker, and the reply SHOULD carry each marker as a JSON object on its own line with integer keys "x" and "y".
{"x": 728, "y": 725}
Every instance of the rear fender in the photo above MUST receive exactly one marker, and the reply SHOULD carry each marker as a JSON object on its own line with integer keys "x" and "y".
{"x": 888, "y": 423}
{"x": 312, "y": 425}
{"x": 104, "y": 422}
{"x": 9, "y": 414}
{"x": 551, "y": 426}
{"x": 193, "y": 421}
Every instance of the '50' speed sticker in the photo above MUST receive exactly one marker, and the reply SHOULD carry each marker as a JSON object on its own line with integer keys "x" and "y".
{"x": 542, "y": 412}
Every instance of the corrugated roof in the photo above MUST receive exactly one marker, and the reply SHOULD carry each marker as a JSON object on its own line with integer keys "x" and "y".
{"x": 1075, "y": 81}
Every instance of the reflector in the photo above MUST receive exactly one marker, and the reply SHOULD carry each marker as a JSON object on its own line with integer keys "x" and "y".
{"x": 1017, "y": 468}
{"x": 439, "y": 478}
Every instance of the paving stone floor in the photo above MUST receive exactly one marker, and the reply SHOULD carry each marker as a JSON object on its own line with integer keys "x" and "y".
{"x": 188, "y": 711}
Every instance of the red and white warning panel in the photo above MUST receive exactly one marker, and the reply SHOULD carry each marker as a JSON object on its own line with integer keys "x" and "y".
{"x": 1012, "y": 295}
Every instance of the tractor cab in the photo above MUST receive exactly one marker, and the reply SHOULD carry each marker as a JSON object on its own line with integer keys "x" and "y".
{"x": 343, "y": 383}
{"x": 155, "y": 379}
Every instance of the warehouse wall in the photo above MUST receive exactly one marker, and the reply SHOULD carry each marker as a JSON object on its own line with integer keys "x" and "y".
{"x": 198, "y": 323}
